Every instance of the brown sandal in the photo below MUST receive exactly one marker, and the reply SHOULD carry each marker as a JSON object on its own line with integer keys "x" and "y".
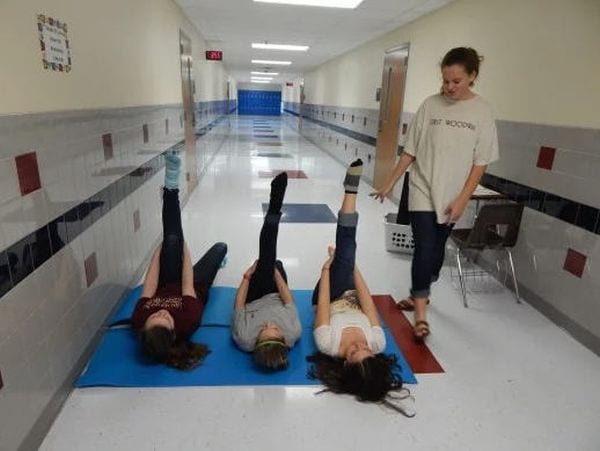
{"x": 408, "y": 304}
{"x": 421, "y": 330}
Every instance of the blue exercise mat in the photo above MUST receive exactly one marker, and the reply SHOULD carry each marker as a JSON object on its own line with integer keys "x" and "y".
{"x": 118, "y": 360}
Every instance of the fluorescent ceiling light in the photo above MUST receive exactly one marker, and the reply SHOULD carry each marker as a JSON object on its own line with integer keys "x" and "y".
{"x": 296, "y": 48}
{"x": 350, "y": 4}
{"x": 275, "y": 63}
{"x": 261, "y": 78}
{"x": 265, "y": 73}
{"x": 260, "y": 81}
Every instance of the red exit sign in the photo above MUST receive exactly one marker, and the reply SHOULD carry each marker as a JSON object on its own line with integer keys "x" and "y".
{"x": 214, "y": 55}
{"x": 289, "y": 83}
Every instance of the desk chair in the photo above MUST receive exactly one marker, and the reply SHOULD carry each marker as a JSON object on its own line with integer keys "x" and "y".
{"x": 487, "y": 233}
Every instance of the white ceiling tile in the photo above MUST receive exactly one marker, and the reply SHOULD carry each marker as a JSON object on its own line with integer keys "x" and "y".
{"x": 232, "y": 25}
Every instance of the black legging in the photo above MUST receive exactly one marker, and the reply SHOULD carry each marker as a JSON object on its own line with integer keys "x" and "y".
{"x": 171, "y": 252}
{"x": 262, "y": 281}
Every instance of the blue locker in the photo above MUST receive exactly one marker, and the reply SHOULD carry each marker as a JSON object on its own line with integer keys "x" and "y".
{"x": 263, "y": 103}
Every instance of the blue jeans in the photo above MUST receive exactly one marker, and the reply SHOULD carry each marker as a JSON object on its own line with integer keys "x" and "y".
{"x": 341, "y": 272}
{"x": 430, "y": 245}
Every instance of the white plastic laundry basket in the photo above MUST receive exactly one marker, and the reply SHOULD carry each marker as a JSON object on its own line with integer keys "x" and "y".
{"x": 398, "y": 237}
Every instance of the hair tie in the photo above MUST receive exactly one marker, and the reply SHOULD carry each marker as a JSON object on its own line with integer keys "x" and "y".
{"x": 269, "y": 342}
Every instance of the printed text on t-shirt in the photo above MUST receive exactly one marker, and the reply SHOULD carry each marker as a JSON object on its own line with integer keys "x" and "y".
{"x": 452, "y": 123}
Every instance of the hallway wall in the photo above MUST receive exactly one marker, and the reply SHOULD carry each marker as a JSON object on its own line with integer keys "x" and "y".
{"x": 540, "y": 65}
{"x": 80, "y": 172}
{"x": 540, "y": 74}
{"x": 122, "y": 56}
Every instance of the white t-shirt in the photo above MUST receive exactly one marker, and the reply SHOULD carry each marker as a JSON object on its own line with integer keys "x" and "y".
{"x": 329, "y": 336}
{"x": 447, "y": 137}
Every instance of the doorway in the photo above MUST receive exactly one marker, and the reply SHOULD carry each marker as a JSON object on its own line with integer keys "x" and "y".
{"x": 390, "y": 112}
{"x": 189, "y": 114}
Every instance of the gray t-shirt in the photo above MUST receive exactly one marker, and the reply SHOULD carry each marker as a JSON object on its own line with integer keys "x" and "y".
{"x": 248, "y": 321}
{"x": 447, "y": 137}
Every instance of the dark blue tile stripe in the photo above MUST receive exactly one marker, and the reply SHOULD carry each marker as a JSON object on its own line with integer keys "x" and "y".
{"x": 344, "y": 131}
{"x": 575, "y": 213}
{"x": 21, "y": 258}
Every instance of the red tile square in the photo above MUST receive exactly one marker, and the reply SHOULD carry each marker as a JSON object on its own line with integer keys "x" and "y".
{"x": 28, "y": 173}
{"x": 146, "y": 134}
{"x": 575, "y": 262}
{"x": 136, "y": 220}
{"x": 546, "y": 157}
{"x": 296, "y": 175}
{"x": 108, "y": 146}
{"x": 91, "y": 269}
{"x": 418, "y": 355}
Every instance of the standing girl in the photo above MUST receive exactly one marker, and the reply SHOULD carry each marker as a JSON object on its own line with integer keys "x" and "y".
{"x": 449, "y": 143}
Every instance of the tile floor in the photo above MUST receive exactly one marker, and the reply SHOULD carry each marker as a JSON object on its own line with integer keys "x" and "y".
{"x": 512, "y": 381}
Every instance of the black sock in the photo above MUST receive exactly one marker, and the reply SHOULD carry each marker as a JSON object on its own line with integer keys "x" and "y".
{"x": 278, "y": 186}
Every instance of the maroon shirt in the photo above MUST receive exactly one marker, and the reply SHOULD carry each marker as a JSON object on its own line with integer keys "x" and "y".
{"x": 185, "y": 310}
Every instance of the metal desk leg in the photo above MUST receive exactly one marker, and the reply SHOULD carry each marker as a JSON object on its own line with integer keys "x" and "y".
{"x": 514, "y": 276}
{"x": 463, "y": 287}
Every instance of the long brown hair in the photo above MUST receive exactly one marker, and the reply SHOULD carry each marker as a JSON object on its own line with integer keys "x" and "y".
{"x": 160, "y": 345}
{"x": 372, "y": 380}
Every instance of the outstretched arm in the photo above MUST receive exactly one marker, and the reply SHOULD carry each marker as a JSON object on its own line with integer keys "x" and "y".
{"x": 323, "y": 300}
{"x": 403, "y": 163}
{"x": 282, "y": 287}
{"x": 364, "y": 297}
{"x": 242, "y": 291}
{"x": 151, "y": 279}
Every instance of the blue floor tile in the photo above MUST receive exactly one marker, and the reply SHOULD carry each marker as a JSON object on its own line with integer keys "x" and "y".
{"x": 312, "y": 213}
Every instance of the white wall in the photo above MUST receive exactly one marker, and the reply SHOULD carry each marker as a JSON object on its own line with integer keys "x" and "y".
{"x": 259, "y": 86}
{"x": 292, "y": 93}
{"x": 542, "y": 60}
{"x": 123, "y": 55}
